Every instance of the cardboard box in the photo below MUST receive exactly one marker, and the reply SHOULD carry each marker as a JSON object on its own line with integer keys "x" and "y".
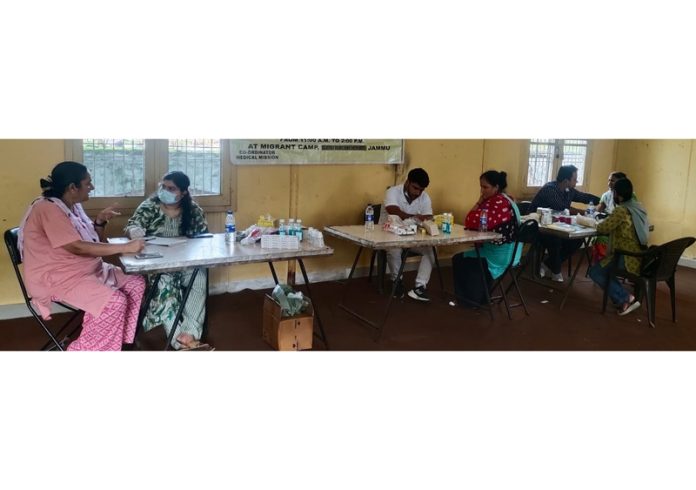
{"x": 287, "y": 333}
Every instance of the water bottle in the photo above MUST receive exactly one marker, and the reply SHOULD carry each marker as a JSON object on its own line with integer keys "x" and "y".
{"x": 590, "y": 210}
{"x": 369, "y": 218}
{"x": 281, "y": 227}
{"x": 483, "y": 224}
{"x": 298, "y": 229}
{"x": 447, "y": 223}
{"x": 230, "y": 227}
{"x": 291, "y": 227}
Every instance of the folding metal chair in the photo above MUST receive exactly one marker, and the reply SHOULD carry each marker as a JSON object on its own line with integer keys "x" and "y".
{"x": 15, "y": 257}
{"x": 526, "y": 233}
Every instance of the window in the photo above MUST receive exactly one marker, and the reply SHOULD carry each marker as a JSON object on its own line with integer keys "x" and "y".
{"x": 128, "y": 170}
{"x": 117, "y": 166}
{"x": 547, "y": 155}
{"x": 200, "y": 160}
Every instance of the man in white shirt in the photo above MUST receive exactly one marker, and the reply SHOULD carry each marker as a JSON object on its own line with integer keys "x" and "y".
{"x": 409, "y": 200}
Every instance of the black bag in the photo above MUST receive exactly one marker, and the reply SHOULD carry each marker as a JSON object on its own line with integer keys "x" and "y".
{"x": 468, "y": 287}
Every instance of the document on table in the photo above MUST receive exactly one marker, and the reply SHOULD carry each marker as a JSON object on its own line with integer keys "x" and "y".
{"x": 165, "y": 241}
{"x": 564, "y": 227}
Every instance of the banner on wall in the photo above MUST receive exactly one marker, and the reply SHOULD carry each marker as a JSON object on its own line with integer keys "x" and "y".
{"x": 313, "y": 151}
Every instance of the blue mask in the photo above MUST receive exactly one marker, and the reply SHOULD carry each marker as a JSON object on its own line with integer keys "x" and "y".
{"x": 167, "y": 197}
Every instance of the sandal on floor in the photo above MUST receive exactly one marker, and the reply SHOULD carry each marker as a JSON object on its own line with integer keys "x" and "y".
{"x": 629, "y": 307}
{"x": 196, "y": 345}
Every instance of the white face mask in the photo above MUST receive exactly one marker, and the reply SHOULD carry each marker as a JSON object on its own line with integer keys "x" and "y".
{"x": 167, "y": 197}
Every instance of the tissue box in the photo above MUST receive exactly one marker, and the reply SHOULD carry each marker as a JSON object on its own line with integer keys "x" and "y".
{"x": 287, "y": 333}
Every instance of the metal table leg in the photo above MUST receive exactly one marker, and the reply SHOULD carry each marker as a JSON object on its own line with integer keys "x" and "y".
{"x": 379, "y": 327}
{"x": 273, "y": 271}
{"x": 322, "y": 335}
{"x": 180, "y": 311}
{"x": 145, "y": 304}
{"x": 575, "y": 273}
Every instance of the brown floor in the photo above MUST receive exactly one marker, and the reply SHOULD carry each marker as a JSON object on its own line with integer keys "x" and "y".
{"x": 235, "y": 322}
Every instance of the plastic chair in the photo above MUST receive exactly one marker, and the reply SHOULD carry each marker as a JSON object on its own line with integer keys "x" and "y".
{"x": 658, "y": 263}
{"x": 15, "y": 257}
{"x": 525, "y": 207}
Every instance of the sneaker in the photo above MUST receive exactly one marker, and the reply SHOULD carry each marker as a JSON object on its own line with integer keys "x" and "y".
{"x": 544, "y": 271}
{"x": 418, "y": 293}
{"x": 557, "y": 277}
{"x": 629, "y": 308}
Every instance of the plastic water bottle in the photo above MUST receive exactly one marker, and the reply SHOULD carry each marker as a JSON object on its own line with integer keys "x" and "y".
{"x": 369, "y": 218}
{"x": 483, "y": 223}
{"x": 230, "y": 227}
{"x": 447, "y": 223}
{"x": 298, "y": 229}
{"x": 281, "y": 227}
{"x": 591, "y": 210}
{"x": 291, "y": 227}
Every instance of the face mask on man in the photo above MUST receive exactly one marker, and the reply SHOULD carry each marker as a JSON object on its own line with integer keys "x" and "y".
{"x": 167, "y": 197}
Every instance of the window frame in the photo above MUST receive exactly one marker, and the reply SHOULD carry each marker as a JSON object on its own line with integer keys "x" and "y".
{"x": 156, "y": 164}
{"x": 529, "y": 191}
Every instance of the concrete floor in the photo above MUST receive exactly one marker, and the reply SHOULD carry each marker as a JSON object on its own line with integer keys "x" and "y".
{"x": 235, "y": 322}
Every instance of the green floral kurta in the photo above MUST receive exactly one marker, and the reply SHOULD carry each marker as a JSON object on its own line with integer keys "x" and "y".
{"x": 170, "y": 288}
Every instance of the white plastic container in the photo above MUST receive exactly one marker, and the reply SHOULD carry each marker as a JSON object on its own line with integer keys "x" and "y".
{"x": 280, "y": 241}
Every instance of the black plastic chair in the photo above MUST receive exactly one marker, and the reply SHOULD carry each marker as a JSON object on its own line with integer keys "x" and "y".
{"x": 15, "y": 257}
{"x": 658, "y": 263}
{"x": 525, "y": 207}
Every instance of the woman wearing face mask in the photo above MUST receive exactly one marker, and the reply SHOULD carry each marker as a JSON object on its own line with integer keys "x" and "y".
{"x": 502, "y": 215}
{"x": 172, "y": 212}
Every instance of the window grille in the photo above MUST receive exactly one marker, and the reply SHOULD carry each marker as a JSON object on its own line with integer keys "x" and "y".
{"x": 116, "y": 166}
{"x": 200, "y": 159}
{"x": 547, "y": 155}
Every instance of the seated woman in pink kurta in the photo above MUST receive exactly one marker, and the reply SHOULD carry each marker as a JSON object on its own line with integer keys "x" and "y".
{"x": 62, "y": 250}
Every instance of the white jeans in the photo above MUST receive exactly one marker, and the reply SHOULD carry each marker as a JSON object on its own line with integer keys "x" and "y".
{"x": 424, "y": 269}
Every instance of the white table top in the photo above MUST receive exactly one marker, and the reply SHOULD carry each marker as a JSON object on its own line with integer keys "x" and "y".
{"x": 210, "y": 252}
{"x": 564, "y": 230}
{"x": 568, "y": 231}
{"x": 380, "y": 239}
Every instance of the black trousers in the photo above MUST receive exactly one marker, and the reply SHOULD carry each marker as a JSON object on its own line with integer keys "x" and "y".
{"x": 468, "y": 286}
{"x": 559, "y": 250}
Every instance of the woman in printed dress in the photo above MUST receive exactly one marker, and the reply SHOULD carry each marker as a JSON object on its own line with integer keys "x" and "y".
{"x": 502, "y": 217}
{"x": 172, "y": 212}
{"x": 628, "y": 228}
{"x": 606, "y": 206}
{"x": 62, "y": 251}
